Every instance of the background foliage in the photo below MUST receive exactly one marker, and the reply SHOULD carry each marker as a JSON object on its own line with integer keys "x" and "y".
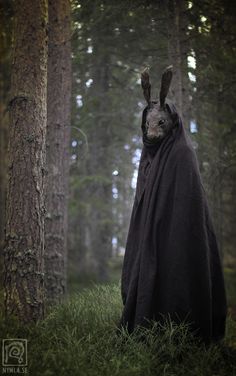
{"x": 112, "y": 43}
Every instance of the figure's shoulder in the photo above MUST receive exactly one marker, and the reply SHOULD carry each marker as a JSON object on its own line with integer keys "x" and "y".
{"x": 183, "y": 157}
{"x": 183, "y": 153}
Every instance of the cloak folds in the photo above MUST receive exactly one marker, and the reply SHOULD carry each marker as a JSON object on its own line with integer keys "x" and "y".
{"x": 172, "y": 265}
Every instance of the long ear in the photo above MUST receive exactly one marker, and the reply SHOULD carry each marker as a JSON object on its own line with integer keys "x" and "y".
{"x": 165, "y": 84}
{"x": 146, "y": 85}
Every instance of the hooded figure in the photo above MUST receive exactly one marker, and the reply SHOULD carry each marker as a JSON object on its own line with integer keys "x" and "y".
{"x": 172, "y": 265}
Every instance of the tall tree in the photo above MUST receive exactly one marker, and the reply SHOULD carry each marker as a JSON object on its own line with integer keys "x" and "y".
{"x": 57, "y": 150}
{"x": 177, "y": 23}
{"x": 5, "y": 43}
{"x": 24, "y": 245}
{"x": 213, "y": 24}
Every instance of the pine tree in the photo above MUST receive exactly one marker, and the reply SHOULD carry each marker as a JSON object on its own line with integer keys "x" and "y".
{"x": 24, "y": 245}
{"x": 57, "y": 155}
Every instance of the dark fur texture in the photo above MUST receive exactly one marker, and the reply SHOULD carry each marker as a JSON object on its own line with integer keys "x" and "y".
{"x": 158, "y": 120}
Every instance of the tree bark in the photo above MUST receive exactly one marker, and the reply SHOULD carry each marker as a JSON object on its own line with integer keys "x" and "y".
{"x": 58, "y": 144}
{"x": 5, "y": 48}
{"x": 177, "y": 52}
{"x": 24, "y": 246}
{"x": 174, "y": 51}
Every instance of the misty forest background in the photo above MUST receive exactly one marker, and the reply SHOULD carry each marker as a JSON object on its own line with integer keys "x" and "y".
{"x": 82, "y": 148}
{"x": 110, "y": 42}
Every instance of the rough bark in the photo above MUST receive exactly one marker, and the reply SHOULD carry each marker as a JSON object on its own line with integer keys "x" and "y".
{"x": 57, "y": 155}
{"x": 5, "y": 43}
{"x": 24, "y": 245}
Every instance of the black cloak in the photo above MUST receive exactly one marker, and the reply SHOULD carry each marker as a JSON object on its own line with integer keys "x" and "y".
{"x": 172, "y": 265}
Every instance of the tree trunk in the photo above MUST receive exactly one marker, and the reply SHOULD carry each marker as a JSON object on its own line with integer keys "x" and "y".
{"x": 101, "y": 213}
{"x": 177, "y": 52}
{"x": 174, "y": 51}
{"x": 58, "y": 144}
{"x": 24, "y": 246}
{"x": 5, "y": 48}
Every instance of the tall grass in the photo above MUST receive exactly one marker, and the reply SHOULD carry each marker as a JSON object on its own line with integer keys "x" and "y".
{"x": 79, "y": 337}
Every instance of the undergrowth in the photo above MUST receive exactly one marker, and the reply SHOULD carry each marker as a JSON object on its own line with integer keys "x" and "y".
{"x": 79, "y": 337}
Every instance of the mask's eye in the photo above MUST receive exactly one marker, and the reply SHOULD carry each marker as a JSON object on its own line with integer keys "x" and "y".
{"x": 161, "y": 122}
{"x": 147, "y": 123}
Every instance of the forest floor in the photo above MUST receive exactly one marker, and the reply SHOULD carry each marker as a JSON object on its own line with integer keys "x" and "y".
{"x": 78, "y": 337}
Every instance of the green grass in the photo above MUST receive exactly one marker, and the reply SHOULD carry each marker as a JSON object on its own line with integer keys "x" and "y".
{"x": 79, "y": 338}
